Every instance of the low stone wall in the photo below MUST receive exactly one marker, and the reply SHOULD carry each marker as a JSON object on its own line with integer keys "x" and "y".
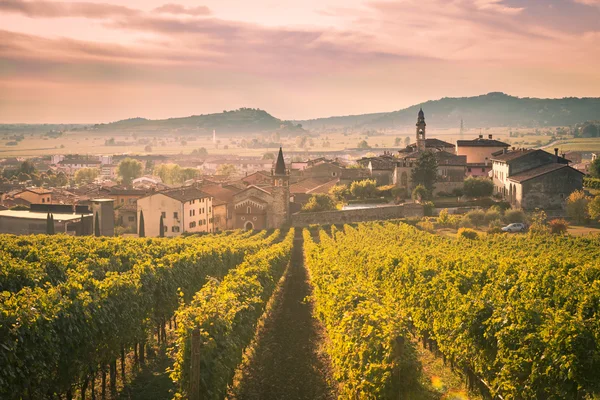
{"x": 351, "y": 216}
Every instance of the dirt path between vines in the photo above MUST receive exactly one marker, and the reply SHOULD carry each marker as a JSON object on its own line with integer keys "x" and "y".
{"x": 288, "y": 363}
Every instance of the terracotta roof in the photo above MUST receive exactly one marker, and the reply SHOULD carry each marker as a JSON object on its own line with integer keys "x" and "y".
{"x": 220, "y": 194}
{"x": 324, "y": 188}
{"x": 479, "y": 142}
{"x": 38, "y": 190}
{"x": 539, "y": 171}
{"x": 306, "y": 185}
{"x": 127, "y": 192}
{"x": 184, "y": 194}
{"x": 516, "y": 154}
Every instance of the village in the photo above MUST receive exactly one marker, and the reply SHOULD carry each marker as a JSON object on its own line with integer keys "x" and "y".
{"x": 122, "y": 194}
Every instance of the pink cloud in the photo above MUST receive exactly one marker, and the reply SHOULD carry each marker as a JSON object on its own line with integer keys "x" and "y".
{"x": 172, "y": 8}
{"x": 57, "y": 9}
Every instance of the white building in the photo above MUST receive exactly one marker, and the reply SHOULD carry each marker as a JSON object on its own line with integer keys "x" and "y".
{"x": 184, "y": 209}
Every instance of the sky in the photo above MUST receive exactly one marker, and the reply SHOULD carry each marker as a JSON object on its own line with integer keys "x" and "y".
{"x": 102, "y": 61}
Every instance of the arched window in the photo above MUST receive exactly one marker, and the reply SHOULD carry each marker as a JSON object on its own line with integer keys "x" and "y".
{"x": 404, "y": 179}
{"x": 248, "y": 210}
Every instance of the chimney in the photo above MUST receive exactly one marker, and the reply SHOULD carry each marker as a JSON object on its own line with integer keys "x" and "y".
{"x": 504, "y": 151}
{"x": 490, "y": 137}
{"x": 556, "y": 153}
{"x": 513, "y": 148}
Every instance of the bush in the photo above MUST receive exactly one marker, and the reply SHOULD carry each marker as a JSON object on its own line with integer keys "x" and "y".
{"x": 558, "y": 226}
{"x": 465, "y": 222}
{"x": 400, "y": 193}
{"x": 443, "y": 218}
{"x": 428, "y": 207}
{"x": 514, "y": 216}
{"x": 477, "y": 217}
{"x": 365, "y": 189}
{"x": 594, "y": 208}
{"x": 492, "y": 215}
{"x": 577, "y": 206}
{"x": 478, "y": 187}
{"x": 426, "y": 225}
{"x": 539, "y": 224}
{"x": 467, "y": 234}
{"x": 420, "y": 193}
{"x": 458, "y": 192}
{"x": 319, "y": 202}
{"x": 496, "y": 230}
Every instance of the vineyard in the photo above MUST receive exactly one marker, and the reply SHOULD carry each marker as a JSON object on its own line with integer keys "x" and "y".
{"x": 326, "y": 313}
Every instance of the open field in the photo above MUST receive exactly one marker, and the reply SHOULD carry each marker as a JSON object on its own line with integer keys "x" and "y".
{"x": 96, "y": 142}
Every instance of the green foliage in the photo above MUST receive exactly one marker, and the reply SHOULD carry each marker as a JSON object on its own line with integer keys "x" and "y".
{"x": 319, "y": 202}
{"x": 420, "y": 193}
{"x": 69, "y": 304}
{"x": 86, "y": 175}
{"x": 226, "y": 170}
{"x": 594, "y": 208}
{"x": 173, "y": 174}
{"x": 476, "y": 217}
{"x": 225, "y": 314}
{"x": 558, "y": 226}
{"x": 595, "y": 168}
{"x": 492, "y": 215}
{"x": 339, "y": 192}
{"x": 478, "y": 187}
{"x": 365, "y": 189}
{"x": 577, "y": 206}
{"x": 130, "y": 169}
{"x": 201, "y": 152}
{"x": 591, "y": 183}
{"x": 539, "y": 223}
{"x": 467, "y": 233}
{"x": 425, "y": 171}
{"x": 363, "y": 145}
{"x": 426, "y": 225}
{"x": 428, "y": 207}
{"x": 505, "y": 306}
{"x": 514, "y": 216}
{"x": 142, "y": 228}
{"x": 443, "y": 219}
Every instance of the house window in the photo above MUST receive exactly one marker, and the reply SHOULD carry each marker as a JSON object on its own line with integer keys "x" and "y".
{"x": 175, "y": 229}
{"x": 482, "y": 169}
{"x": 175, "y": 214}
{"x": 248, "y": 210}
{"x": 43, "y": 200}
{"x": 163, "y": 214}
{"x": 122, "y": 201}
{"x": 131, "y": 219}
{"x": 192, "y": 224}
{"x": 209, "y": 209}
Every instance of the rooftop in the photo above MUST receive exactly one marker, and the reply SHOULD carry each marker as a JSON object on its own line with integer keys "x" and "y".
{"x": 539, "y": 171}
{"x": 184, "y": 194}
{"x": 26, "y": 214}
{"x": 480, "y": 142}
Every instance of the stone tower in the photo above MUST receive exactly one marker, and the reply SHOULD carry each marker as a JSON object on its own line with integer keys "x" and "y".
{"x": 280, "y": 210}
{"x": 421, "y": 125}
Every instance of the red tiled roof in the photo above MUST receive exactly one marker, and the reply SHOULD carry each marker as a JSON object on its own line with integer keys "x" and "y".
{"x": 539, "y": 171}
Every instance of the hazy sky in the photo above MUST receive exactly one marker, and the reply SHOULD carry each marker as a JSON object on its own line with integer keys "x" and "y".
{"x": 100, "y": 61}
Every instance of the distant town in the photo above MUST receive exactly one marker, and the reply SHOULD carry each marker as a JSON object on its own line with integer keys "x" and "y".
{"x": 172, "y": 195}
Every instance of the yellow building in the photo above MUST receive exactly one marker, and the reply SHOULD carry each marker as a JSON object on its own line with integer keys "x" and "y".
{"x": 35, "y": 196}
{"x": 184, "y": 209}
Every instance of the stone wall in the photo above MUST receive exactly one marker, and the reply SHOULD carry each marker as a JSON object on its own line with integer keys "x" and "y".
{"x": 351, "y": 216}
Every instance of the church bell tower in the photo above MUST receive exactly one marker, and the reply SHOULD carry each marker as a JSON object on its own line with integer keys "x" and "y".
{"x": 280, "y": 212}
{"x": 421, "y": 125}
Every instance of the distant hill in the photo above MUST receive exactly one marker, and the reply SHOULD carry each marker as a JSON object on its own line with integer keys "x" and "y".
{"x": 249, "y": 120}
{"x": 490, "y": 110}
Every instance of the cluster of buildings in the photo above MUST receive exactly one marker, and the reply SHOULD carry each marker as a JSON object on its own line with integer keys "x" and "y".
{"x": 266, "y": 193}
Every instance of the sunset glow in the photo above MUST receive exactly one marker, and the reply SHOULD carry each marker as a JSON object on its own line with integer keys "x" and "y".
{"x": 88, "y": 61}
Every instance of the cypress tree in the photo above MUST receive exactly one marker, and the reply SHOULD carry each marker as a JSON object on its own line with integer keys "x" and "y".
{"x": 97, "y": 225}
{"x": 52, "y": 224}
{"x": 142, "y": 230}
{"x": 48, "y": 225}
{"x": 162, "y": 227}
{"x": 83, "y": 232}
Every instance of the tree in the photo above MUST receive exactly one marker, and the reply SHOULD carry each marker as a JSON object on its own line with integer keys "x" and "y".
{"x": 476, "y": 217}
{"x": 397, "y": 141}
{"x": 319, "y": 202}
{"x": 339, "y": 192}
{"x": 130, "y": 169}
{"x": 478, "y": 187}
{"x": 268, "y": 156}
{"x": 188, "y": 173}
{"x": 594, "y": 208}
{"x": 50, "y": 224}
{"x": 201, "y": 152}
{"x": 142, "y": 229}
{"x": 407, "y": 141}
{"x": 23, "y": 177}
{"x": 363, "y": 145}
{"x": 577, "y": 206}
{"x": 425, "y": 171}
{"x": 365, "y": 189}
{"x": 420, "y": 193}
{"x": 161, "y": 227}
{"x": 27, "y": 167}
{"x": 595, "y": 168}
{"x": 226, "y": 170}
{"x": 96, "y": 225}
{"x": 86, "y": 175}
